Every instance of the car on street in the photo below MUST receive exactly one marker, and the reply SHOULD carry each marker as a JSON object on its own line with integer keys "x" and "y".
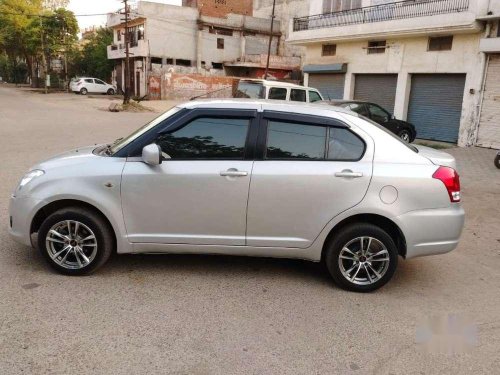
{"x": 402, "y": 129}
{"x": 249, "y": 178}
{"x": 85, "y": 85}
{"x": 276, "y": 90}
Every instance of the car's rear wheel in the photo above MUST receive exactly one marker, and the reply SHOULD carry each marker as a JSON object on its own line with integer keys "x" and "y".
{"x": 405, "y": 135}
{"x": 84, "y": 91}
{"x": 75, "y": 241}
{"x": 361, "y": 257}
{"x": 111, "y": 92}
{"x": 497, "y": 161}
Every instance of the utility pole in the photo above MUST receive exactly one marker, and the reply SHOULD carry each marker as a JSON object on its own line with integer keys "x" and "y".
{"x": 44, "y": 62}
{"x": 270, "y": 40}
{"x": 126, "y": 96}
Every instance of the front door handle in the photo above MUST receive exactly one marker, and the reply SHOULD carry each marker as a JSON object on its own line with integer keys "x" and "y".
{"x": 349, "y": 174}
{"x": 233, "y": 172}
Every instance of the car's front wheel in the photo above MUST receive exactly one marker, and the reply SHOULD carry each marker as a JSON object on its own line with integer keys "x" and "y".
{"x": 405, "y": 135}
{"x": 361, "y": 257}
{"x": 75, "y": 241}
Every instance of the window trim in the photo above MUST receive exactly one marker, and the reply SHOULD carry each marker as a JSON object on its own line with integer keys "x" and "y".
{"x": 301, "y": 119}
{"x": 183, "y": 118}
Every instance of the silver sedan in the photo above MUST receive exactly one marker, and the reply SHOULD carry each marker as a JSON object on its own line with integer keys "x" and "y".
{"x": 253, "y": 178}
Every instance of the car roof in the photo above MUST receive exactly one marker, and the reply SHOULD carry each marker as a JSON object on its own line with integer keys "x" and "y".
{"x": 275, "y": 83}
{"x": 317, "y": 108}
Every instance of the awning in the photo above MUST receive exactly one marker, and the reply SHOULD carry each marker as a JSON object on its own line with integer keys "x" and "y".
{"x": 327, "y": 68}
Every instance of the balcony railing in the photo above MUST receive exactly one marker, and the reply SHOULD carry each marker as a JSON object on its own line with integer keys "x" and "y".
{"x": 384, "y": 12}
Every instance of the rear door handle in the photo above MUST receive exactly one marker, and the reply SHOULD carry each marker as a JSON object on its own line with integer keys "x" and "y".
{"x": 349, "y": 174}
{"x": 233, "y": 172}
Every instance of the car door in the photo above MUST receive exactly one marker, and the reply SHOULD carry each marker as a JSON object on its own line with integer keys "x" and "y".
{"x": 199, "y": 193}
{"x": 308, "y": 170}
{"x": 100, "y": 86}
{"x": 89, "y": 84}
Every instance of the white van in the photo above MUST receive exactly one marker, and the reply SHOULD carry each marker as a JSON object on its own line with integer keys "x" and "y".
{"x": 265, "y": 89}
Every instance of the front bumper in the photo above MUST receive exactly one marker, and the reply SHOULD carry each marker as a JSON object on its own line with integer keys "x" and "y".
{"x": 21, "y": 213}
{"x": 432, "y": 231}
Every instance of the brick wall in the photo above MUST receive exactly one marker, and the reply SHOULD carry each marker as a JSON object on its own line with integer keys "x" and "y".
{"x": 186, "y": 86}
{"x": 221, "y": 8}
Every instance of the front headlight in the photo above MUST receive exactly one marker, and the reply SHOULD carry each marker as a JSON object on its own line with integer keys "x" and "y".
{"x": 30, "y": 176}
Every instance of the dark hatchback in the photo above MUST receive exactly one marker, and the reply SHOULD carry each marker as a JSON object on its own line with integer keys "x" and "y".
{"x": 402, "y": 129}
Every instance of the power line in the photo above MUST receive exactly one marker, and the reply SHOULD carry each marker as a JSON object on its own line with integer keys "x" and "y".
{"x": 49, "y": 16}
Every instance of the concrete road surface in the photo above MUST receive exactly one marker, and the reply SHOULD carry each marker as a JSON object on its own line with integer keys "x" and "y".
{"x": 229, "y": 315}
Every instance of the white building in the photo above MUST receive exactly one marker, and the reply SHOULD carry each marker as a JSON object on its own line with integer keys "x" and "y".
{"x": 434, "y": 63}
{"x": 206, "y": 37}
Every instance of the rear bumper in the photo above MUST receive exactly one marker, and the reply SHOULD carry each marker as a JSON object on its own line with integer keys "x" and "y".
{"x": 432, "y": 231}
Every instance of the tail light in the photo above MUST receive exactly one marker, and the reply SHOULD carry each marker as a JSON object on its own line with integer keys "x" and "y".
{"x": 451, "y": 180}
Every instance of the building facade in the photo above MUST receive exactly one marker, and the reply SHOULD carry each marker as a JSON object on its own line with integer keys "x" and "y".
{"x": 204, "y": 37}
{"x": 431, "y": 62}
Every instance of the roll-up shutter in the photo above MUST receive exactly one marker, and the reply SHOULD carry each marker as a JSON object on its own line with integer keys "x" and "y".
{"x": 330, "y": 85}
{"x": 489, "y": 125}
{"x": 435, "y": 105}
{"x": 376, "y": 88}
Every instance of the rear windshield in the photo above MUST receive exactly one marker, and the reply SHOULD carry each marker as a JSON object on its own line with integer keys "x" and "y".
{"x": 410, "y": 146}
{"x": 252, "y": 90}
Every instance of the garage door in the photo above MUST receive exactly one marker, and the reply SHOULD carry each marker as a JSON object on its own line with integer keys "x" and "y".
{"x": 331, "y": 85}
{"x": 489, "y": 125}
{"x": 435, "y": 105}
{"x": 376, "y": 88}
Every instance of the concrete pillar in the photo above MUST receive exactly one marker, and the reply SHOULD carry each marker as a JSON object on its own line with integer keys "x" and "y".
{"x": 349, "y": 86}
{"x": 402, "y": 95}
{"x": 199, "y": 46}
{"x": 243, "y": 42}
{"x": 306, "y": 79}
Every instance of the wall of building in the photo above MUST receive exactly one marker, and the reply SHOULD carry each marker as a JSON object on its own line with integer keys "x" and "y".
{"x": 220, "y": 8}
{"x": 407, "y": 56}
{"x": 285, "y": 11}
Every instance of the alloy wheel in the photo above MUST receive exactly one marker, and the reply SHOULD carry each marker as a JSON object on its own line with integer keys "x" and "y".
{"x": 364, "y": 260}
{"x": 71, "y": 244}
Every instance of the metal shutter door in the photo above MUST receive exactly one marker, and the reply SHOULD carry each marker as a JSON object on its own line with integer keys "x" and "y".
{"x": 376, "y": 88}
{"x": 489, "y": 125}
{"x": 331, "y": 86}
{"x": 435, "y": 105}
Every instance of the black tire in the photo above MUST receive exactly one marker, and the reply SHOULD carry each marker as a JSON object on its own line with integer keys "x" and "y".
{"x": 497, "y": 161}
{"x": 405, "y": 135}
{"x": 84, "y": 91}
{"x": 342, "y": 238}
{"x": 103, "y": 234}
{"x": 111, "y": 92}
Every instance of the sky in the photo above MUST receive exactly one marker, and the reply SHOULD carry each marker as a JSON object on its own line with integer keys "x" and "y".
{"x": 102, "y": 6}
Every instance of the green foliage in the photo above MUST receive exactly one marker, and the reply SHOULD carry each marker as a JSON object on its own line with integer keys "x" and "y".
{"x": 93, "y": 59}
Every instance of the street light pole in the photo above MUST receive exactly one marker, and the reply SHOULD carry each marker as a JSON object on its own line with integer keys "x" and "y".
{"x": 126, "y": 96}
{"x": 270, "y": 41}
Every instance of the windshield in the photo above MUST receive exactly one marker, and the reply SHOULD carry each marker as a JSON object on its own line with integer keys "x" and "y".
{"x": 122, "y": 142}
{"x": 252, "y": 90}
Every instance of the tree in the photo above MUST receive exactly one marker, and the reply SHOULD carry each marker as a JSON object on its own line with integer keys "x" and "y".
{"x": 55, "y": 4}
{"x": 93, "y": 60}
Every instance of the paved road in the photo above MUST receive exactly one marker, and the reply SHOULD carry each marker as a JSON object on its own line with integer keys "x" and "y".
{"x": 226, "y": 315}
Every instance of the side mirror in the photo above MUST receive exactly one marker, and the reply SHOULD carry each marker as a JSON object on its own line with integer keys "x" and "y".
{"x": 151, "y": 154}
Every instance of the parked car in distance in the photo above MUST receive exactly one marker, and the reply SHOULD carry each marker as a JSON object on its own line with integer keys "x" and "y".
{"x": 246, "y": 177}
{"x": 402, "y": 129}
{"x": 267, "y": 89}
{"x": 85, "y": 85}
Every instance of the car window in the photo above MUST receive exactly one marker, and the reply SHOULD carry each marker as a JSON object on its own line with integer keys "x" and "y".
{"x": 378, "y": 114}
{"x": 298, "y": 95}
{"x": 207, "y": 138}
{"x": 358, "y": 108}
{"x": 89, "y": 80}
{"x": 344, "y": 145}
{"x": 249, "y": 90}
{"x": 278, "y": 93}
{"x": 314, "y": 96}
{"x": 295, "y": 141}
{"x": 98, "y": 81}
